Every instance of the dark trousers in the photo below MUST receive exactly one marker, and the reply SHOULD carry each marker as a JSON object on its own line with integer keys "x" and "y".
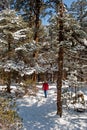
{"x": 45, "y": 93}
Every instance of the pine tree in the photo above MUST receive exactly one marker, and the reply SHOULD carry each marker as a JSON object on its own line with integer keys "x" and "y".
{"x": 70, "y": 37}
{"x": 14, "y": 32}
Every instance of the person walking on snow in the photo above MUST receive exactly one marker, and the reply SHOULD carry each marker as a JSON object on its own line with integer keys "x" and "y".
{"x": 45, "y": 87}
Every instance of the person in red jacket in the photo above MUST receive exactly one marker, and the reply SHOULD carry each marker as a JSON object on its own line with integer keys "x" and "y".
{"x": 45, "y": 87}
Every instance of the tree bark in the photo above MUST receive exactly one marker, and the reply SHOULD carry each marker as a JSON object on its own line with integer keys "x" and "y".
{"x": 37, "y": 26}
{"x": 60, "y": 62}
{"x": 9, "y": 82}
{"x": 37, "y": 14}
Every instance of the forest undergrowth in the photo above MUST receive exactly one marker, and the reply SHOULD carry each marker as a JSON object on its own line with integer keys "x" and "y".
{"x": 9, "y": 119}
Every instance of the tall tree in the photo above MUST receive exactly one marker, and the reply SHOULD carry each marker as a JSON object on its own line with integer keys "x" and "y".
{"x": 60, "y": 60}
{"x": 14, "y": 32}
{"x": 69, "y": 32}
{"x": 59, "y": 9}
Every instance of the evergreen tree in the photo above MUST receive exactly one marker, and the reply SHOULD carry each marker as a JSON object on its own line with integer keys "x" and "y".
{"x": 68, "y": 35}
{"x": 14, "y": 32}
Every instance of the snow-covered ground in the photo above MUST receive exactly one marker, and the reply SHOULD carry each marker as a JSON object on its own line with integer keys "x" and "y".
{"x": 39, "y": 113}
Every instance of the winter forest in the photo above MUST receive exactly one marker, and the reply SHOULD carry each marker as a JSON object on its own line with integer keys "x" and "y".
{"x": 43, "y": 41}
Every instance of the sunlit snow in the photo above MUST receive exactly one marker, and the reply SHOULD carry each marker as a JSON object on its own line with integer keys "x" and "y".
{"x": 39, "y": 113}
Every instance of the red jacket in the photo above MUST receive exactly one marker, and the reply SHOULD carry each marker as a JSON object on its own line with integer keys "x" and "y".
{"x": 45, "y": 86}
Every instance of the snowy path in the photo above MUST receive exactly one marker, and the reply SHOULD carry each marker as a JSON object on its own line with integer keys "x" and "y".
{"x": 39, "y": 113}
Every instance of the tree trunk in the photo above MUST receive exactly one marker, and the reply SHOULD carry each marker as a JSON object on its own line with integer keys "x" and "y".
{"x": 60, "y": 62}
{"x": 59, "y": 82}
{"x": 37, "y": 25}
{"x": 9, "y": 83}
{"x": 37, "y": 14}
